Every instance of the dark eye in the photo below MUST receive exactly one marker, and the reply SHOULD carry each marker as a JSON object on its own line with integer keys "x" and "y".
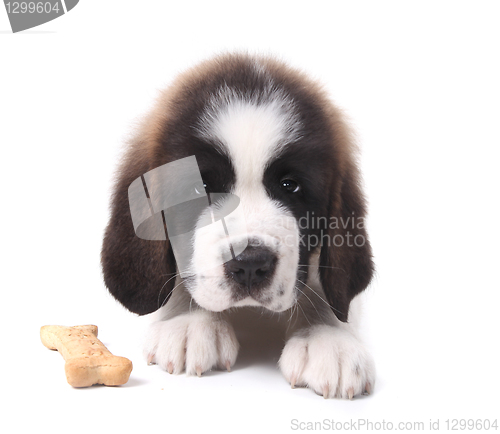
{"x": 290, "y": 186}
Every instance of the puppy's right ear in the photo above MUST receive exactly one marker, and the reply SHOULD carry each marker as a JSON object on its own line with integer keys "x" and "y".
{"x": 139, "y": 273}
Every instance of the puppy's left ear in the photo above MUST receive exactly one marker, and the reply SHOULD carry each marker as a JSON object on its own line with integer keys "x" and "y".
{"x": 346, "y": 265}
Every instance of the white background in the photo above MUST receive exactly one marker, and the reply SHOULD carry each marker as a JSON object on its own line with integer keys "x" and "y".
{"x": 420, "y": 84}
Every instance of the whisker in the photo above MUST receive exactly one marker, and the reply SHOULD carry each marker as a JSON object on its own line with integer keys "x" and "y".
{"x": 305, "y": 295}
{"x": 167, "y": 274}
{"x": 305, "y": 316}
{"x": 321, "y": 298}
{"x": 294, "y": 310}
{"x": 161, "y": 289}
{"x": 321, "y": 266}
{"x": 171, "y": 292}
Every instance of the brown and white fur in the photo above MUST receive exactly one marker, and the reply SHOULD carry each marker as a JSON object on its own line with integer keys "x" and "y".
{"x": 267, "y": 134}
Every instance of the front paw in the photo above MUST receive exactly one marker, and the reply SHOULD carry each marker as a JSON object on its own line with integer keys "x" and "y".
{"x": 329, "y": 360}
{"x": 195, "y": 342}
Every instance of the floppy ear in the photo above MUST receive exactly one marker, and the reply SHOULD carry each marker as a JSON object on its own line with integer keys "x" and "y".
{"x": 138, "y": 273}
{"x": 346, "y": 265}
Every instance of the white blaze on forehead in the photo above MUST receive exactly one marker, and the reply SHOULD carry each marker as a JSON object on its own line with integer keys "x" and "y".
{"x": 251, "y": 130}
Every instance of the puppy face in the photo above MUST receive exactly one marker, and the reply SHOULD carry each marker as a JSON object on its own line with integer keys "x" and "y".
{"x": 268, "y": 135}
{"x": 274, "y": 162}
{"x": 251, "y": 133}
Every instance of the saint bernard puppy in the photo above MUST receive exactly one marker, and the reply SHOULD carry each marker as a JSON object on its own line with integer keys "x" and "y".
{"x": 267, "y": 135}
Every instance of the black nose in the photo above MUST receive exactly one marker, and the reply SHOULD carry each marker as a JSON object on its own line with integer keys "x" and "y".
{"x": 252, "y": 266}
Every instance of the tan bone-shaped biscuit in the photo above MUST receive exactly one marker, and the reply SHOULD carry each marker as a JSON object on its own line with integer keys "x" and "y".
{"x": 88, "y": 361}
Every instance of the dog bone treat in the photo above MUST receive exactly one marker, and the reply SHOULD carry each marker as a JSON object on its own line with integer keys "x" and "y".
{"x": 88, "y": 361}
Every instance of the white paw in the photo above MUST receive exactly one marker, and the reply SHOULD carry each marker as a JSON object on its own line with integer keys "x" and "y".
{"x": 329, "y": 360}
{"x": 195, "y": 342}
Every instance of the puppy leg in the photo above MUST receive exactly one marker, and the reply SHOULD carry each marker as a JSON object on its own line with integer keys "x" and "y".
{"x": 323, "y": 353}
{"x": 189, "y": 338}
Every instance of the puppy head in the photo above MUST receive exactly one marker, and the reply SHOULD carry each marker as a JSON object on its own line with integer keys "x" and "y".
{"x": 267, "y": 135}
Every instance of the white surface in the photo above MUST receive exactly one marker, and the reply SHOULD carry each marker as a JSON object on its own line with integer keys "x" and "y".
{"x": 420, "y": 83}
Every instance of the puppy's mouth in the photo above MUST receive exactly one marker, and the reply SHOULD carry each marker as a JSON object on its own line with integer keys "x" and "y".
{"x": 272, "y": 296}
